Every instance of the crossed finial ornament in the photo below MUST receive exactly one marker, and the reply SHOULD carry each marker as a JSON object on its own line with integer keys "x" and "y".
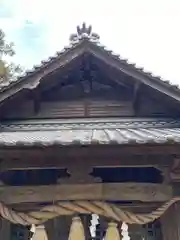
{"x": 84, "y": 32}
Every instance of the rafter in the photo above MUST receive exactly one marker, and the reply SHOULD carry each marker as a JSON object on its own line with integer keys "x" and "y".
{"x": 120, "y": 79}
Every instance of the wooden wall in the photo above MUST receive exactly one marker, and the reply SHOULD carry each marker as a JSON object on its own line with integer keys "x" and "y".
{"x": 5, "y": 229}
{"x": 83, "y": 108}
{"x": 88, "y": 97}
{"x": 171, "y": 223}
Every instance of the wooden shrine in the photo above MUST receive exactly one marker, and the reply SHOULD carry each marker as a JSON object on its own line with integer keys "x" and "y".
{"x": 87, "y": 133}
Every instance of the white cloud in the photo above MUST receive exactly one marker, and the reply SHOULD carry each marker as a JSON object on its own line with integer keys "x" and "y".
{"x": 146, "y": 32}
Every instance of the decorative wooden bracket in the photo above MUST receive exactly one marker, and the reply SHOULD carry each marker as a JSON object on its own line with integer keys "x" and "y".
{"x": 175, "y": 170}
{"x": 165, "y": 173}
{"x": 80, "y": 174}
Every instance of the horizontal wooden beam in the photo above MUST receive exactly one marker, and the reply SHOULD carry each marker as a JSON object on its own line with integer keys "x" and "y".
{"x": 144, "y": 192}
{"x": 43, "y": 161}
{"x": 94, "y": 151}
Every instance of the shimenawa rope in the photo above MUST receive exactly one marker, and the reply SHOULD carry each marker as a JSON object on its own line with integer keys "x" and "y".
{"x": 112, "y": 211}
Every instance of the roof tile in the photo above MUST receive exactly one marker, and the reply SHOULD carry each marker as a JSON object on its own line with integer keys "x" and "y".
{"x": 89, "y": 137}
{"x": 82, "y": 132}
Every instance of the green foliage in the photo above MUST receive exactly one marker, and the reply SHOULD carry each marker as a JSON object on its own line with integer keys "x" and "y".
{"x": 5, "y": 48}
{"x": 8, "y": 71}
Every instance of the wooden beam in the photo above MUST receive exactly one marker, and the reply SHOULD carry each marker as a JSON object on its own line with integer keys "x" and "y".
{"x": 144, "y": 192}
{"x": 38, "y": 161}
{"x": 18, "y": 159}
{"x": 93, "y": 151}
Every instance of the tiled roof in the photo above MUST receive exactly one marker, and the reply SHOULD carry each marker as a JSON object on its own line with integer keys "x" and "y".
{"x": 127, "y": 131}
{"x": 85, "y": 34}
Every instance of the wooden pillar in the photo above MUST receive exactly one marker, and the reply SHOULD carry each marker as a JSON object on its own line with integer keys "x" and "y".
{"x": 86, "y": 221}
{"x": 101, "y": 228}
{"x": 5, "y": 229}
{"x": 135, "y": 231}
{"x": 18, "y": 231}
{"x": 170, "y": 223}
{"x": 58, "y": 228}
{"x": 51, "y": 233}
{"x": 151, "y": 231}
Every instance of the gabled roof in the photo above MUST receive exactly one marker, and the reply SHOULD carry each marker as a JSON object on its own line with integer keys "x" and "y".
{"x": 86, "y": 41}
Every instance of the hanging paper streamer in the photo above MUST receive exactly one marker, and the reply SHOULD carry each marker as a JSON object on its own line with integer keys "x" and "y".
{"x": 125, "y": 232}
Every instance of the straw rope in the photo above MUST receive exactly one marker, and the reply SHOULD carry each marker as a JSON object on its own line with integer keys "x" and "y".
{"x": 112, "y": 211}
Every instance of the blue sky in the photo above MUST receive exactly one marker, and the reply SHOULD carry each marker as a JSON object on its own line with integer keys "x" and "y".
{"x": 144, "y": 31}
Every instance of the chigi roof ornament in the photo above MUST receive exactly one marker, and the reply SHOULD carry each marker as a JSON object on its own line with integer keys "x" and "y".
{"x": 84, "y": 32}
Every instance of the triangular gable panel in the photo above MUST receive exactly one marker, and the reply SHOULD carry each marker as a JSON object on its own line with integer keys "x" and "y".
{"x": 87, "y": 98}
{"x": 85, "y": 44}
{"x": 73, "y": 98}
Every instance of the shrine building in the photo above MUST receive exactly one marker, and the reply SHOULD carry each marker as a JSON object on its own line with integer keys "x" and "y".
{"x": 87, "y": 132}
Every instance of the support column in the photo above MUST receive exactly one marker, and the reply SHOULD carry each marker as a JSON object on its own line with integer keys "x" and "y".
{"x": 135, "y": 231}
{"x": 50, "y": 230}
{"x": 86, "y": 221}
{"x": 5, "y": 229}
{"x": 19, "y": 232}
{"x": 101, "y": 228}
{"x": 170, "y": 223}
{"x": 58, "y": 228}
